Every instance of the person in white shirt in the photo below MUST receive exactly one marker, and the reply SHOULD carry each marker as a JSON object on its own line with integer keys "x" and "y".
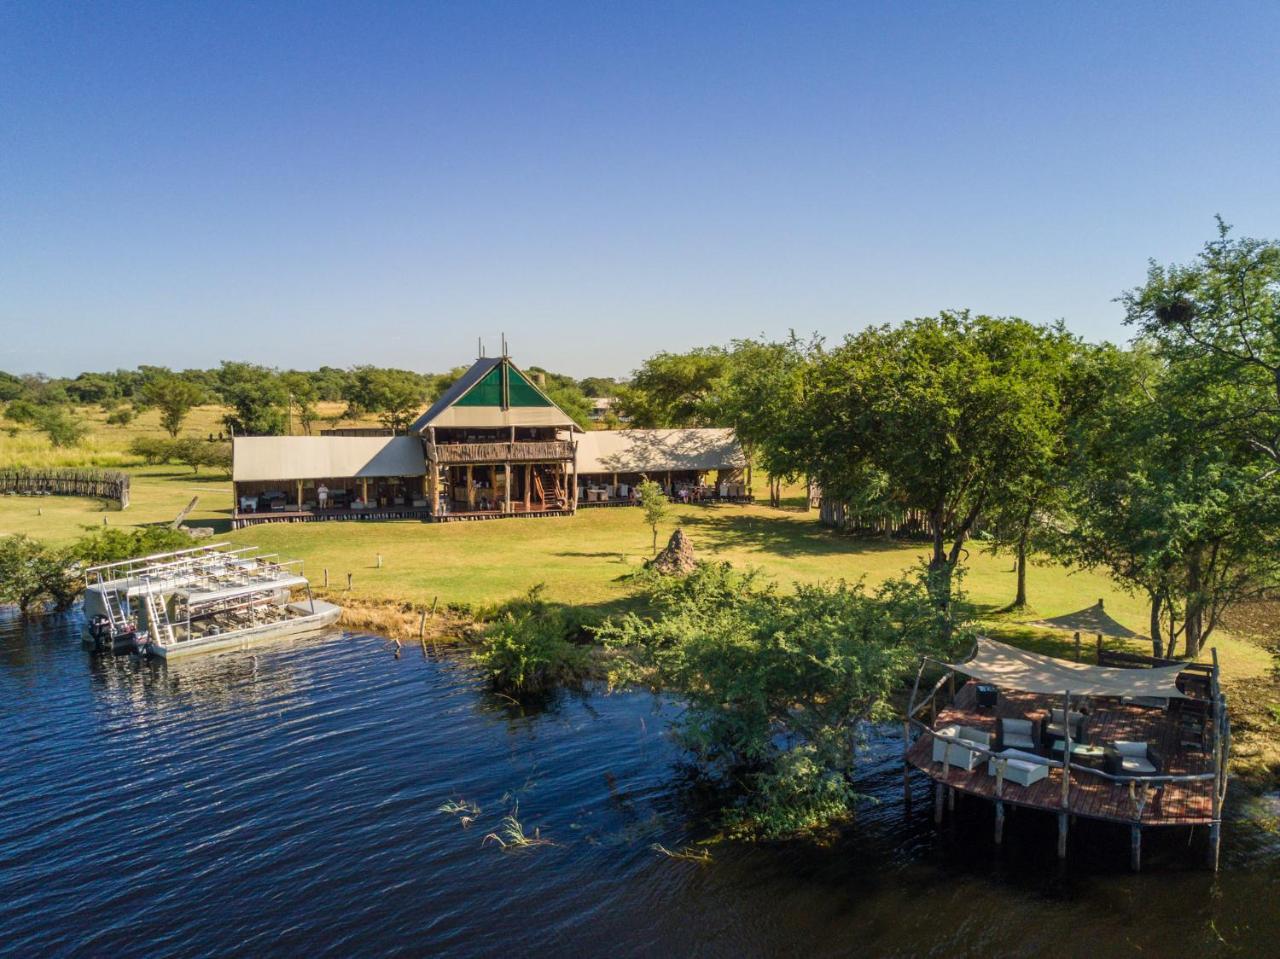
{"x": 322, "y": 495}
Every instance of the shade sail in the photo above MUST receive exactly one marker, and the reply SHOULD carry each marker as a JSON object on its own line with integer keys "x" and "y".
{"x": 1018, "y": 669}
{"x": 1094, "y": 619}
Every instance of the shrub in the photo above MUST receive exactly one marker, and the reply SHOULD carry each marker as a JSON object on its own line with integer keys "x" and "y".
{"x": 152, "y": 450}
{"x": 776, "y": 686}
{"x": 529, "y": 649}
{"x": 60, "y": 426}
{"x": 33, "y": 573}
{"x": 110, "y": 544}
{"x": 197, "y": 453}
{"x": 121, "y": 416}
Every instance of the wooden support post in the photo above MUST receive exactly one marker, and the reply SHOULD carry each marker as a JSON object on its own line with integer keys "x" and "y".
{"x": 1135, "y": 848}
{"x": 951, "y": 798}
{"x": 1215, "y": 844}
{"x": 999, "y": 821}
{"x": 938, "y": 789}
{"x": 1062, "y": 835}
{"x": 326, "y": 579}
{"x": 951, "y": 686}
{"x": 506, "y": 481}
{"x": 1066, "y": 751}
{"x": 364, "y": 491}
{"x": 906, "y": 766}
{"x": 299, "y": 494}
{"x": 1077, "y": 645}
{"x": 1099, "y": 647}
{"x": 528, "y": 486}
{"x": 471, "y": 488}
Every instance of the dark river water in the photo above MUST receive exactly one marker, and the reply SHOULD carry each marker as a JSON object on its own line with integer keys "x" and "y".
{"x": 287, "y": 803}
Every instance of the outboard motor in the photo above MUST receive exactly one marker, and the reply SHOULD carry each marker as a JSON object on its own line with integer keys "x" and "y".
{"x": 100, "y": 633}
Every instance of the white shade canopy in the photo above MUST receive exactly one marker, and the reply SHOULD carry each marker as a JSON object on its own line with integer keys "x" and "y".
{"x": 1018, "y": 669}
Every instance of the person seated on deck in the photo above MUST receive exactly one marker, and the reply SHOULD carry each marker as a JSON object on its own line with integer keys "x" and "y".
{"x": 1017, "y": 734}
{"x": 1132, "y": 759}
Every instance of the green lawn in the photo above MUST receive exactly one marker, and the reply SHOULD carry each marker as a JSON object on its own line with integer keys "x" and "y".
{"x": 581, "y": 559}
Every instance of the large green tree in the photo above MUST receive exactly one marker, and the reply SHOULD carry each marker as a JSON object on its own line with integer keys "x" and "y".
{"x": 941, "y": 415}
{"x": 257, "y": 397}
{"x": 396, "y": 397}
{"x": 677, "y": 389}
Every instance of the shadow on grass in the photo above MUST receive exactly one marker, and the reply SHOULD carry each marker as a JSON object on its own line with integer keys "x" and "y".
{"x": 780, "y": 535}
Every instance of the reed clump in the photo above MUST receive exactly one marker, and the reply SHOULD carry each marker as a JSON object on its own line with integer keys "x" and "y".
{"x": 510, "y": 835}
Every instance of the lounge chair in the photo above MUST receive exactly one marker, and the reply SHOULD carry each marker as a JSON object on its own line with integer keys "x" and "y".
{"x": 1056, "y": 728}
{"x": 1017, "y": 734}
{"x": 951, "y": 745}
{"x": 1019, "y": 767}
{"x": 1131, "y": 759}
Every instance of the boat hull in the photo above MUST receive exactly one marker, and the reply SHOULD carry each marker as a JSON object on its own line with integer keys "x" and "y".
{"x": 324, "y": 617}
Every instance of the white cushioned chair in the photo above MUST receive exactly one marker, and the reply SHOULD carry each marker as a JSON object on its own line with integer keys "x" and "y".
{"x": 954, "y": 748}
{"x": 1019, "y": 767}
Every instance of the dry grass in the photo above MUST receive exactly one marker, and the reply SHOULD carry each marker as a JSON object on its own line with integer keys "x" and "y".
{"x": 510, "y": 836}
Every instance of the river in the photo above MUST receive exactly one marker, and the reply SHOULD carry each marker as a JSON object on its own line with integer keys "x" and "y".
{"x": 286, "y": 802}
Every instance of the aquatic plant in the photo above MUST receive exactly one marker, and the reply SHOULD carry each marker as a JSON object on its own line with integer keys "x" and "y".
{"x": 686, "y": 854}
{"x": 467, "y": 812}
{"x": 511, "y": 836}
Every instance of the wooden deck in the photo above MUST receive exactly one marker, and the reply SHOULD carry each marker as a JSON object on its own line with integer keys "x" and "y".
{"x": 241, "y": 520}
{"x": 1094, "y": 797}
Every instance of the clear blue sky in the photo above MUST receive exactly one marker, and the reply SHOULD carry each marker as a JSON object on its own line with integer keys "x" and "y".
{"x": 298, "y": 184}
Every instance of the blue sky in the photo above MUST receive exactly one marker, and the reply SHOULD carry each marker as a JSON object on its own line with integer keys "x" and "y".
{"x": 300, "y": 184}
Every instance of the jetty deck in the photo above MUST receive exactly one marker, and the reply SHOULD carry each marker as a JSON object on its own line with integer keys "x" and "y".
{"x": 1173, "y": 803}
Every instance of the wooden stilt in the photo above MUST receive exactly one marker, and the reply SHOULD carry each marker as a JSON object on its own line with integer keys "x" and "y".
{"x": 951, "y": 798}
{"x": 906, "y": 766}
{"x": 938, "y": 789}
{"x": 999, "y": 821}
{"x": 1135, "y": 848}
{"x": 1062, "y": 835}
{"x": 1215, "y": 844}
{"x": 471, "y": 489}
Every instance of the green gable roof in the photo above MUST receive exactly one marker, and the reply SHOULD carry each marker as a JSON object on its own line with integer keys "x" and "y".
{"x": 489, "y": 390}
{"x": 520, "y": 392}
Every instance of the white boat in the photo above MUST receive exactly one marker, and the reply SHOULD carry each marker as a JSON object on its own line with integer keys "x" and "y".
{"x": 205, "y": 599}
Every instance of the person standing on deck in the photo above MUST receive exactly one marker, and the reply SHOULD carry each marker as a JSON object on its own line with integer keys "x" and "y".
{"x": 322, "y": 495}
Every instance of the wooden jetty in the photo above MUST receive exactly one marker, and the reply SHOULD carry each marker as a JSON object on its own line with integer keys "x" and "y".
{"x": 1173, "y": 714}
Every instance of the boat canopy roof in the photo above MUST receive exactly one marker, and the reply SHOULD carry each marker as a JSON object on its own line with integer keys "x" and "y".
{"x": 199, "y": 597}
{"x": 1029, "y": 672}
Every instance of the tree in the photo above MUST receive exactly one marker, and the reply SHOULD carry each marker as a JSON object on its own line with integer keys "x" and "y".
{"x": 941, "y": 415}
{"x": 566, "y": 394}
{"x": 303, "y": 393}
{"x": 257, "y": 397}
{"x": 174, "y": 397}
{"x": 60, "y": 426}
{"x": 1216, "y": 322}
{"x": 654, "y": 504}
{"x": 1168, "y": 507}
{"x": 676, "y": 389}
{"x": 766, "y": 384}
{"x": 395, "y": 396}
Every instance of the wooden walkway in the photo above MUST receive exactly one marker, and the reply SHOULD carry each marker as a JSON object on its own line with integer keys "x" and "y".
{"x": 1171, "y": 804}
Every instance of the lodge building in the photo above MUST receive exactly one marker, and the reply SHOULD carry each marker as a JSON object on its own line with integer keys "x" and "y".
{"x": 494, "y": 445}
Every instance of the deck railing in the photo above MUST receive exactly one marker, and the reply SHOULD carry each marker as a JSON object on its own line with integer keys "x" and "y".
{"x": 535, "y": 451}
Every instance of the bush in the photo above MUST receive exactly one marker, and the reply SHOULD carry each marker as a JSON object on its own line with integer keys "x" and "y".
{"x": 33, "y": 573}
{"x": 121, "y": 416}
{"x": 776, "y": 686}
{"x": 110, "y": 544}
{"x": 152, "y": 450}
{"x": 197, "y": 453}
{"x": 529, "y": 647}
{"x": 60, "y": 426}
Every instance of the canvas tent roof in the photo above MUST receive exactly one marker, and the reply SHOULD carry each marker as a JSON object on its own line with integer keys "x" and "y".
{"x": 639, "y": 451}
{"x": 1019, "y": 669}
{"x": 493, "y": 393}
{"x": 256, "y": 458}
{"x": 1094, "y": 619}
